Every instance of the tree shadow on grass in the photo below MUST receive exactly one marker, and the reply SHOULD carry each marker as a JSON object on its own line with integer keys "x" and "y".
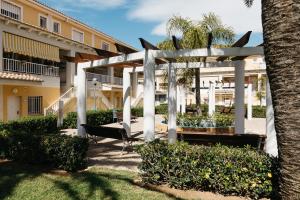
{"x": 95, "y": 183}
{"x": 11, "y": 174}
{"x": 99, "y": 183}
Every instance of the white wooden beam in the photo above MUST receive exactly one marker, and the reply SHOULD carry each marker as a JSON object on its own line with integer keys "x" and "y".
{"x": 126, "y": 102}
{"x": 172, "y": 98}
{"x": 204, "y": 52}
{"x": 211, "y": 99}
{"x": 81, "y": 98}
{"x": 250, "y": 101}
{"x": 149, "y": 96}
{"x": 119, "y": 59}
{"x": 239, "y": 99}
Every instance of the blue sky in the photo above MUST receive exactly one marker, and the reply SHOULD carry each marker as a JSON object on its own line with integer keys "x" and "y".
{"x": 127, "y": 20}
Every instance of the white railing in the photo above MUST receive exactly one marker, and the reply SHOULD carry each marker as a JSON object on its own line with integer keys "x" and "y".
{"x": 104, "y": 78}
{"x": 10, "y": 10}
{"x": 13, "y": 65}
{"x": 54, "y": 107}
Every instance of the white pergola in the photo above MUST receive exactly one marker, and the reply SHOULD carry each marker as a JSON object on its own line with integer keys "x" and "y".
{"x": 149, "y": 57}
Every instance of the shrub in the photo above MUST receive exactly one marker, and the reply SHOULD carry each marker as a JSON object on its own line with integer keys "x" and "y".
{"x": 32, "y": 125}
{"x": 226, "y": 170}
{"x": 60, "y": 151}
{"x": 95, "y": 118}
{"x": 138, "y": 111}
{"x": 196, "y": 121}
{"x": 259, "y": 111}
{"x": 162, "y": 109}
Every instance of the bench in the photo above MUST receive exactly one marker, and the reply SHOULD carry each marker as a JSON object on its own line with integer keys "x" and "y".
{"x": 110, "y": 132}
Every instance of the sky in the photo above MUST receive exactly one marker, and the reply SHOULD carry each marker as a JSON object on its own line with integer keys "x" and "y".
{"x": 128, "y": 20}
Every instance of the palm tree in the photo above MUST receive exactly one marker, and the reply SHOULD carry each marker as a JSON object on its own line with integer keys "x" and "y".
{"x": 281, "y": 32}
{"x": 194, "y": 34}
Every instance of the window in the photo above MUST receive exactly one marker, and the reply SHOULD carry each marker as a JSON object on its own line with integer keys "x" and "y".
{"x": 56, "y": 27}
{"x": 35, "y": 105}
{"x": 77, "y": 36}
{"x": 10, "y": 10}
{"x": 105, "y": 46}
{"x": 43, "y": 22}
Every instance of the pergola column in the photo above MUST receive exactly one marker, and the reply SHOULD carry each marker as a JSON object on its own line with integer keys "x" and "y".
{"x": 81, "y": 99}
{"x": 239, "y": 99}
{"x": 149, "y": 96}
{"x": 250, "y": 101}
{"x": 183, "y": 100}
{"x": 271, "y": 141}
{"x": 172, "y": 135}
{"x": 134, "y": 83}
{"x": 126, "y": 102}
{"x": 211, "y": 99}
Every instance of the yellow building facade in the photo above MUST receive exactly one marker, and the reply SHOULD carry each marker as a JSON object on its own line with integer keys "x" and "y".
{"x": 34, "y": 77}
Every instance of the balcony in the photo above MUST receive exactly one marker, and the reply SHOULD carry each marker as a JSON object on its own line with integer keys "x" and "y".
{"x": 12, "y": 65}
{"x": 10, "y": 10}
{"x": 105, "y": 79}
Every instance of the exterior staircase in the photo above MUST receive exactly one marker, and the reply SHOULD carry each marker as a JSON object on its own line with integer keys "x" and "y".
{"x": 66, "y": 97}
{"x": 137, "y": 100}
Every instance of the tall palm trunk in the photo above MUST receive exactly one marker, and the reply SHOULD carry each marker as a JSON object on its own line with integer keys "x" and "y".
{"x": 281, "y": 24}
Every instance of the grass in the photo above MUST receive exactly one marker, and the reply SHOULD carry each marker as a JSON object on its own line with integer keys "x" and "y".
{"x": 27, "y": 182}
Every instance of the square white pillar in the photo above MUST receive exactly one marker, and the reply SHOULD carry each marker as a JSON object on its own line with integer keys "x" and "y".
{"x": 211, "y": 99}
{"x": 81, "y": 99}
{"x": 183, "y": 99}
{"x": 126, "y": 102}
{"x": 271, "y": 141}
{"x": 239, "y": 99}
{"x": 149, "y": 96}
{"x": 250, "y": 101}
{"x": 111, "y": 74}
{"x": 172, "y": 96}
{"x": 70, "y": 71}
{"x": 134, "y": 83}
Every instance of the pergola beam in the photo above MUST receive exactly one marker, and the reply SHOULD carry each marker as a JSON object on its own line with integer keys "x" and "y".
{"x": 213, "y": 52}
{"x": 204, "y": 52}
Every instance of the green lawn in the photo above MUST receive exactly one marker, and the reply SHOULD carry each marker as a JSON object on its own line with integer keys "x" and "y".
{"x": 27, "y": 182}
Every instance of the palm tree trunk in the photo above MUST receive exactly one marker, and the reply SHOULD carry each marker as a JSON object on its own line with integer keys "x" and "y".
{"x": 281, "y": 24}
{"x": 197, "y": 87}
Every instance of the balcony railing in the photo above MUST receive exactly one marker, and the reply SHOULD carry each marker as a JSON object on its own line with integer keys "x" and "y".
{"x": 105, "y": 79}
{"x": 10, "y": 10}
{"x": 12, "y": 65}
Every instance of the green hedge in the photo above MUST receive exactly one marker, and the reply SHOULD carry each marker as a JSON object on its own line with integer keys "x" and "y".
{"x": 221, "y": 169}
{"x": 138, "y": 111}
{"x": 32, "y": 125}
{"x": 203, "y": 121}
{"x": 259, "y": 111}
{"x": 95, "y": 118}
{"x": 162, "y": 109}
{"x": 59, "y": 151}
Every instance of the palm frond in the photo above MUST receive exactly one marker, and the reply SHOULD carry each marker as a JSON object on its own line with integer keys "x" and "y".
{"x": 248, "y": 3}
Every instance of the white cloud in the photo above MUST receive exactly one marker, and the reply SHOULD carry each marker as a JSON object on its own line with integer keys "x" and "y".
{"x": 232, "y": 12}
{"x": 93, "y": 4}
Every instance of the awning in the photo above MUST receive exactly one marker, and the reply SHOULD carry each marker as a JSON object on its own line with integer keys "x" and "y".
{"x": 28, "y": 47}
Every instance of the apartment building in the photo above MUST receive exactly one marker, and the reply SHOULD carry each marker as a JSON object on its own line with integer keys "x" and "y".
{"x": 223, "y": 80}
{"x": 34, "y": 76}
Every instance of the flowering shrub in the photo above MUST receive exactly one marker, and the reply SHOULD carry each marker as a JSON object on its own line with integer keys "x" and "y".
{"x": 222, "y": 169}
{"x": 217, "y": 121}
